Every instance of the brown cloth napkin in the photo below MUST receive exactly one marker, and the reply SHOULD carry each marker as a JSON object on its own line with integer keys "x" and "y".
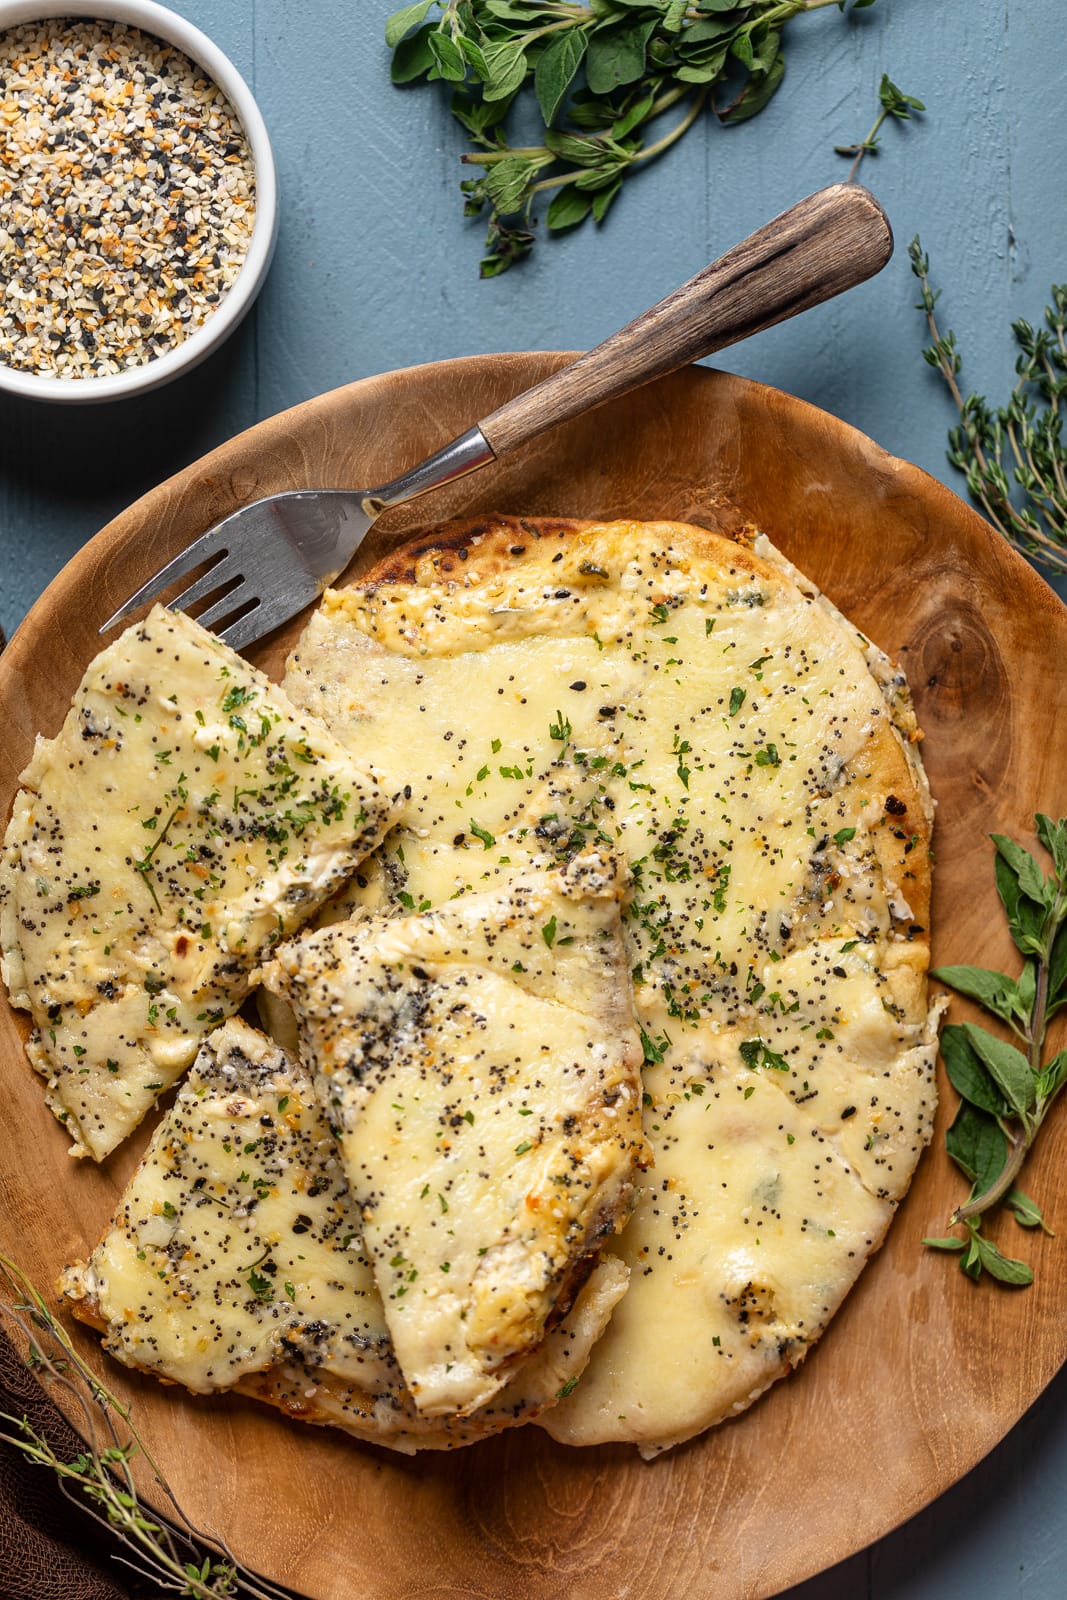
{"x": 49, "y": 1548}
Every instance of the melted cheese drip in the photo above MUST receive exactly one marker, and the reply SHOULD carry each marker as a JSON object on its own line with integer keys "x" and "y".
{"x": 184, "y": 819}
{"x": 692, "y": 706}
{"x": 480, "y": 1067}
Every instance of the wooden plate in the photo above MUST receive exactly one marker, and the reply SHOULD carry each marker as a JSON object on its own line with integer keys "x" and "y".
{"x": 920, "y": 1374}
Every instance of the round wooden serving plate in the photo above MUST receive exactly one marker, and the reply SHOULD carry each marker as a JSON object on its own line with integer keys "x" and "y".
{"x": 921, "y": 1373}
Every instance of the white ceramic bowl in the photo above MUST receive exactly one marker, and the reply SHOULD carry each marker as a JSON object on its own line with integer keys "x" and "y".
{"x": 167, "y": 25}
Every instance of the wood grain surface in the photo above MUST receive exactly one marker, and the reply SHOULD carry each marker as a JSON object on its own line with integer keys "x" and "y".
{"x": 919, "y": 1375}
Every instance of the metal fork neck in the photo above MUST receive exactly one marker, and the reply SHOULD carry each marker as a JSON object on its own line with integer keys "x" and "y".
{"x": 465, "y": 454}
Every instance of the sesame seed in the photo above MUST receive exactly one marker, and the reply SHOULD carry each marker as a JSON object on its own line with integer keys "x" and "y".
{"x": 127, "y": 198}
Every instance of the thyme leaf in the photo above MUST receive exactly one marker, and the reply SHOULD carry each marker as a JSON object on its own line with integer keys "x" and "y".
{"x": 894, "y": 103}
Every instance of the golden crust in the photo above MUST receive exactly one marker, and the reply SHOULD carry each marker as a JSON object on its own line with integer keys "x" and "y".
{"x": 445, "y": 548}
{"x": 389, "y": 1416}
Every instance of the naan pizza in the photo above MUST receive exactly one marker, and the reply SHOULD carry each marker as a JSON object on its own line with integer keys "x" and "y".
{"x": 694, "y": 705}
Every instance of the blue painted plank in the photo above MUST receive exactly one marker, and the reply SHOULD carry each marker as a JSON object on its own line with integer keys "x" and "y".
{"x": 376, "y": 269}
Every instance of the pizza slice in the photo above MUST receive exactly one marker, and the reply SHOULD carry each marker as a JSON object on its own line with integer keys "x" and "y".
{"x": 480, "y": 1066}
{"x": 184, "y": 819}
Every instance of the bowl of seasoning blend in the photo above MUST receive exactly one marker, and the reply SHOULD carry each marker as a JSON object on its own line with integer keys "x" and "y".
{"x": 137, "y": 198}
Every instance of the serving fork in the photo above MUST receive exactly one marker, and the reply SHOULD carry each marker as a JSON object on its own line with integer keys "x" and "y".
{"x": 270, "y": 558}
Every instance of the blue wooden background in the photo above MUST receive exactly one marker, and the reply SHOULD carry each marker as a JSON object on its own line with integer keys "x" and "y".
{"x": 376, "y": 269}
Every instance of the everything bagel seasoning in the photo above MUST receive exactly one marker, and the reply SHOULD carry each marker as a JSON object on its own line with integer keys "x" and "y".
{"x": 127, "y": 198}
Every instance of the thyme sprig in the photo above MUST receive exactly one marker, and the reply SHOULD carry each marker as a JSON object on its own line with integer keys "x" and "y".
{"x": 1007, "y": 1089}
{"x": 894, "y": 103}
{"x": 1014, "y": 459}
{"x": 602, "y": 73}
{"x": 176, "y": 1556}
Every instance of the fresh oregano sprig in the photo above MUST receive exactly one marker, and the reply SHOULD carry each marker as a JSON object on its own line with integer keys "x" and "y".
{"x": 1014, "y": 459}
{"x": 603, "y": 73}
{"x": 1006, "y": 1086}
{"x": 176, "y": 1556}
{"x": 894, "y": 103}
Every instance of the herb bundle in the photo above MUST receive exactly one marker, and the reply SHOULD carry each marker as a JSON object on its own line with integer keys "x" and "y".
{"x": 101, "y": 1479}
{"x": 602, "y": 74}
{"x": 1006, "y": 1089}
{"x": 1014, "y": 459}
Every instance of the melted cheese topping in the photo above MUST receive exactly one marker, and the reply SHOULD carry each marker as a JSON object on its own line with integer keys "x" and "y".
{"x": 480, "y": 1066}
{"x": 184, "y": 819}
{"x": 703, "y": 713}
{"x": 234, "y": 1261}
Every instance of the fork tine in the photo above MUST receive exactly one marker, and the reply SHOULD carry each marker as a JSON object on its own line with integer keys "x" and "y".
{"x": 203, "y": 549}
{"x": 232, "y": 600}
{"x": 271, "y": 611}
{"x": 246, "y": 630}
{"x": 217, "y": 577}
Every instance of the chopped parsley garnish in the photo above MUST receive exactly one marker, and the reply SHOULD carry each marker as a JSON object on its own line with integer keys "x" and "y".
{"x": 754, "y": 1053}
{"x": 259, "y": 1284}
{"x": 560, "y": 730}
{"x": 654, "y": 1049}
{"x": 488, "y": 839}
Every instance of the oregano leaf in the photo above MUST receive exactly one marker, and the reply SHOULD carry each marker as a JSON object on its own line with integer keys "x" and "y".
{"x": 507, "y": 68}
{"x": 402, "y": 21}
{"x": 506, "y": 182}
{"x": 568, "y": 207}
{"x": 604, "y": 197}
{"x": 448, "y": 57}
{"x": 1053, "y": 836}
{"x": 556, "y": 70}
{"x": 994, "y": 990}
{"x": 1026, "y": 1212}
{"x": 616, "y": 55}
{"x": 978, "y": 1145}
{"x": 413, "y": 57}
{"x": 1004, "y": 1268}
{"x": 1025, "y": 917}
{"x": 1007, "y": 1065}
{"x": 755, "y": 95}
{"x": 968, "y": 1074}
{"x": 1028, "y": 874}
{"x": 1051, "y": 1078}
{"x": 1057, "y": 974}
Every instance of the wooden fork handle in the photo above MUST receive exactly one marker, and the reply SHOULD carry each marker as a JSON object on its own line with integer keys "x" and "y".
{"x": 827, "y": 243}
